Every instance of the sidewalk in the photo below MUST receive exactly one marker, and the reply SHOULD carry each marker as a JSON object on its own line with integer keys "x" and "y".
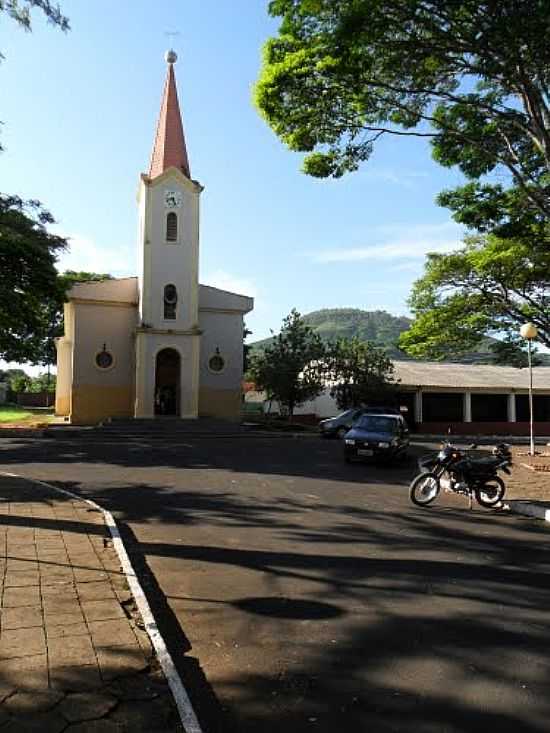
{"x": 72, "y": 654}
{"x": 528, "y": 492}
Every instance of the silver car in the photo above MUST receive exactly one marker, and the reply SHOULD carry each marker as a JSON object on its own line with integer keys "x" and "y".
{"x": 337, "y": 427}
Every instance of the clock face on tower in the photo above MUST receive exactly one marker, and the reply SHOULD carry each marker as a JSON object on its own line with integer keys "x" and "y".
{"x": 172, "y": 199}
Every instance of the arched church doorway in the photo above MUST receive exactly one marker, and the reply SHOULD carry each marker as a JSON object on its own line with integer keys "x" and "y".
{"x": 167, "y": 383}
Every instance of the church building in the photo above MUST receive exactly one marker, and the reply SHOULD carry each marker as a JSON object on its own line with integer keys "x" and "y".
{"x": 159, "y": 344}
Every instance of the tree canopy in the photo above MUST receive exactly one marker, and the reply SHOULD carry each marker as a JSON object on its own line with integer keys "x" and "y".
{"x": 358, "y": 372}
{"x": 491, "y": 285}
{"x": 288, "y": 368}
{"x": 28, "y": 254}
{"x": 472, "y": 76}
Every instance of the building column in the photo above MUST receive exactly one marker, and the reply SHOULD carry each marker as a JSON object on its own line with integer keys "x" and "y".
{"x": 511, "y": 407}
{"x": 418, "y": 406}
{"x": 143, "y": 408}
{"x": 467, "y": 408}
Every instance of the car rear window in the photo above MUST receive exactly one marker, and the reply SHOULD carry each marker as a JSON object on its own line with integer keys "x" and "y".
{"x": 377, "y": 424}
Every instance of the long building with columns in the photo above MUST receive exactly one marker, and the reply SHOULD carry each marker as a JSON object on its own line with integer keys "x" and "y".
{"x": 468, "y": 398}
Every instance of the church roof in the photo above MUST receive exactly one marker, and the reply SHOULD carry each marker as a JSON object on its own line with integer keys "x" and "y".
{"x": 169, "y": 148}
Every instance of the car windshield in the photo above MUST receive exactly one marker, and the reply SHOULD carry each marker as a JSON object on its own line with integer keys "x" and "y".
{"x": 345, "y": 415}
{"x": 377, "y": 424}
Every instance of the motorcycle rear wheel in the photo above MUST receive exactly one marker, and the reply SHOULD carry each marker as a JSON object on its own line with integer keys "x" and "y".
{"x": 491, "y": 493}
{"x": 424, "y": 488}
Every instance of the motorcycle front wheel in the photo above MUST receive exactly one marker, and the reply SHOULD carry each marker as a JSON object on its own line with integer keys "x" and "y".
{"x": 424, "y": 488}
{"x": 491, "y": 493}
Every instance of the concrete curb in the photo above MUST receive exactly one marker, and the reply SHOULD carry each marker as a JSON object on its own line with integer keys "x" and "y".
{"x": 185, "y": 708}
{"x": 528, "y": 509}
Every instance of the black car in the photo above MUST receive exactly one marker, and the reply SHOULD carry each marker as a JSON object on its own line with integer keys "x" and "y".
{"x": 376, "y": 436}
{"x": 337, "y": 427}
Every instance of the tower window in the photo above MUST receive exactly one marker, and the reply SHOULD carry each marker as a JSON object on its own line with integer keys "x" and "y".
{"x": 170, "y": 302}
{"x": 171, "y": 227}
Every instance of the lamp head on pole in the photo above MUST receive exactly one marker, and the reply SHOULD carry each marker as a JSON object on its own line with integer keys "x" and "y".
{"x": 529, "y": 331}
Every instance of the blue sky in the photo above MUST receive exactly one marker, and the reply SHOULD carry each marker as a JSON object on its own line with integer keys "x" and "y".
{"x": 79, "y": 113}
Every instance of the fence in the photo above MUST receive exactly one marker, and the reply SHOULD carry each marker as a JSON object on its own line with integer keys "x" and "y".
{"x": 35, "y": 399}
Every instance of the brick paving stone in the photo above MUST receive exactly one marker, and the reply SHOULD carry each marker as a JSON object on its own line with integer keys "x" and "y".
{"x": 15, "y": 597}
{"x": 95, "y": 726}
{"x": 21, "y": 618}
{"x": 63, "y": 619}
{"x": 5, "y": 690}
{"x": 116, "y": 632}
{"x": 75, "y": 678}
{"x": 139, "y": 687}
{"x": 26, "y": 672}
{"x": 102, "y": 610}
{"x": 14, "y": 563}
{"x": 56, "y": 632}
{"x": 82, "y": 575}
{"x": 120, "y": 662}
{"x": 69, "y": 650}
{"x": 22, "y": 643}
{"x": 148, "y": 716}
{"x": 21, "y": 578}
{"x": 68, "y": 591}
{"x": 58, "y": 604}
{"x": 32, "y": 702}
{"x": 50, "y": 722}
{"x": 86, "y": 706}
{"x": 96, "y": 591}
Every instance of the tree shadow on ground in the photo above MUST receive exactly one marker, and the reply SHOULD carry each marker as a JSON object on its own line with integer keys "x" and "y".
{"x": 439, "y": 620}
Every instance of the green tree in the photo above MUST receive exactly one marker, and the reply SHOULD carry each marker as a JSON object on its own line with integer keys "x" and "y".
{"x": 289, "y": 368}
{"x": 44, "y": 382}
{"x": 359, "y": 373}
{"x": 490, "y": 286}
{"x": 472, "y": 76}
{"x": 511, "y": 353}
{"x": 28, "y": 254}
{"x": 20, "y": 383}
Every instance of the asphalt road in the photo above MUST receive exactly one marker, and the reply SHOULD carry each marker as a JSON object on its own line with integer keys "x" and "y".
{"x": 302, "y": 594}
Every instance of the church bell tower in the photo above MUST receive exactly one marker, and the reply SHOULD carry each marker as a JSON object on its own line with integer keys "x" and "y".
{"x": 168, "y": 336}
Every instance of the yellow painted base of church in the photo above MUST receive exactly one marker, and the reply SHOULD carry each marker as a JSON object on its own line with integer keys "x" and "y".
{"x": 223, "y": 403}
{"x": 91, "y": 404}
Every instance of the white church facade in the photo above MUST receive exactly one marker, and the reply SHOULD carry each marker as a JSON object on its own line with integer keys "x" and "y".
{"x": 159, "y": 344}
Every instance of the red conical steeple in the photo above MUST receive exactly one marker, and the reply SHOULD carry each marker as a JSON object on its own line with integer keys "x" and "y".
{"x": 169, "y": 148}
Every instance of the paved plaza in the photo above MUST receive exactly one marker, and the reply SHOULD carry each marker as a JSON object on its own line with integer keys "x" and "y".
{"x": 299, "y": 593}
{"x": 72, "y": 654}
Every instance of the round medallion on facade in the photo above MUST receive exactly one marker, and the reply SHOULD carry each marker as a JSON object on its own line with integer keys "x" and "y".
{"x": 104, "y": 359}
{"x": 216, "y": 363}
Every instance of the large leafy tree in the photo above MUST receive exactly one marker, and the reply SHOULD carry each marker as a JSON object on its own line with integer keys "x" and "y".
{"x": 28, "y": 254}
{"x": 471, "y": 75}
{"x": 490, "y": 286}
{"x": 288, "y": 369}
{"x": 359, "y": 373}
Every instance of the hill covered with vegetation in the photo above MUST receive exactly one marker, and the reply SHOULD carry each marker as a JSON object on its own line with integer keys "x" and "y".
{"x": 378, "y": 327}
{"x": 383, "y": 330}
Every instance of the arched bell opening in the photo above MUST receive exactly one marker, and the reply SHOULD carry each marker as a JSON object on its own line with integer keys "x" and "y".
{"x": 167, "y": 383}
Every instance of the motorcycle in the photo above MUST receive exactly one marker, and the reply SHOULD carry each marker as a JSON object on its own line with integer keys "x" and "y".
{"x": 454, "y": 471}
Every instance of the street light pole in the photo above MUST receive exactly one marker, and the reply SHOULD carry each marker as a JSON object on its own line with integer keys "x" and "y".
{"x": 531, "y": 429}
{"x": 529, "y": 331}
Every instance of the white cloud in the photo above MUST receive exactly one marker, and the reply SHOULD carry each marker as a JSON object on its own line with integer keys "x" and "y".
{"x": 84, "y": 254}
{"x": 225, "y": 281}
{"x": 407, "y": 178}
{"x": 398, "y": 242}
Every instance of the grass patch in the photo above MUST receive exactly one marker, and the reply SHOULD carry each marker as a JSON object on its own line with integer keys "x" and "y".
{"x": 13, "y": 415}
